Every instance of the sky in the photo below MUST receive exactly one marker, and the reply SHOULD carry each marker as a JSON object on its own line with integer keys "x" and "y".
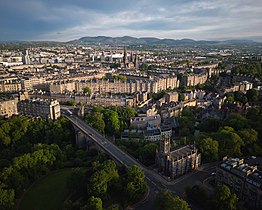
{"x": 65, "y": 20}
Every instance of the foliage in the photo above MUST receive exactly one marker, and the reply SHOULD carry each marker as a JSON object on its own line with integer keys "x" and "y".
{"x": 186, "y": 123}
{"x": 136, "y": 185}
{"x": 181, "y": 97}
{"x": 75, "y": 180}
{"x": 96, "y": 120}
{"x": 253, "y": 69}
{"x": 209, "y": 149}
{"x": 252, "y": 95}
{"x": 237, "y": 135}
{"x": 210, "y": 125}
{"x": 19, "y": 134}
{"x": 28, "y": 167}
{"x": 115, "y": 65}
{"x": 110, "y": 120}
{"x": 166, "y": 201}
{"x": 87, "y": 90}
{"x": 236, "y": 121}
{"x": 147, "y": 153}
{"x": 144, "y": 151}
{"x": 230, "y": 142}
{"x": 224, "y": 200}
{"x": 98, "y": 182}
{"x": 94, "y": 203}
{"x": 7, "y": 197}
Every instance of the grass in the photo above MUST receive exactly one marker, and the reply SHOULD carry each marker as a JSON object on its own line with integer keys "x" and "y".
{"x": 47, "y": 193}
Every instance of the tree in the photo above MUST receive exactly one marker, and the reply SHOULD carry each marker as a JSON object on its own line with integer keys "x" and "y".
{"x": 136, "y": 185}
{"x": 250, "y": 139}
{"x": 224, "y": 200}
{"x": 112, "y": 123}
{"x": 75, "y": 180}
{"x": 240, "y": 97}
{"x": 98, "y": 182}
{"x": 252, "y": 95}
{"x": 230, "y": 99}
{"x": 7, "y": 197}
{"x": 186, "y": 123}
{"x": 181, "y": 97}
{"x": 210, "y": 125}
{"x": 87, "y": 90}
{"x": 253, "y": 114}
{"x": 230, "y": 142}
{"x": 94, "y": 203}
{"x": 166, "y": 201}
{"x": 249, "y": 136}
{"x": 125, "y": 113}
{"x": 236, "y": 121}
{"x": 147, "y": 153}
{"x": 96, "y": 120}
{"x": 209, "y": 149}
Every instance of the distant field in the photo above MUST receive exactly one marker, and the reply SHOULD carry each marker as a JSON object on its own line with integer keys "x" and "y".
{"x": 47, "y": 193}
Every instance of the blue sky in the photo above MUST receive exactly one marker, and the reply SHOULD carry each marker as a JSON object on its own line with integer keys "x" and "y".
{"x": 64, "y": 20}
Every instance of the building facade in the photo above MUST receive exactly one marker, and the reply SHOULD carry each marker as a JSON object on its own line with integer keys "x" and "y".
{"x": 47, "y": 109}
{"x": 8, "y": 107}
{"x": 176, "y": 162}
{"x": 101, "y": 86}
{"x": 243, "y": 180}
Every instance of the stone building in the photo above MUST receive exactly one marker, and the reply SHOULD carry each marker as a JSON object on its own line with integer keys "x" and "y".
{"x": 8, "y": 107}
{"x": 116, "y": 86}
{"x": 171, "y": 97}
{"x": 194, "y": 79}
{"x": 178, "y": 161}
{"x": 47, "y": 109}
{"x": 243, "y": 180}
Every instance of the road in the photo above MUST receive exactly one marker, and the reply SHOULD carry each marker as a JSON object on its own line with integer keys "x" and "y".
{"x": 155, "y": 181}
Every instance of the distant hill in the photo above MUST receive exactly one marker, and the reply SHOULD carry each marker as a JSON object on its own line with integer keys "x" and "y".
{"x": 131, "y": 41}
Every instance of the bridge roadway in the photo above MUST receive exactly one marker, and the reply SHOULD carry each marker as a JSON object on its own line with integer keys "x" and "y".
{"x": 156, "y": 182}
{"x": 116, "y": 152}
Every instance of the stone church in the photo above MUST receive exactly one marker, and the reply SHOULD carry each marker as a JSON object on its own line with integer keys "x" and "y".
{"x": 177, "y": 161}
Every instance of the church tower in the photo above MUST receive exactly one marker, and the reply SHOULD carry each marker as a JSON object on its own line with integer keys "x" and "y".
{"x": 125, "y": 59}
{"x": 164, "y": 145}
{"x": 136, "y": 62}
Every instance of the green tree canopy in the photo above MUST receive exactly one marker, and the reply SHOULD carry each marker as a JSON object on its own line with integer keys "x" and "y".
{"x": 136, "y": 185}
{"x": 96, "y": 120}
{"x": 94, "y": 203}
{"x": 229, "y": 142}
{"x": 112, "y": 123}
{"x": 252, "y": 95}
{"x": 166, "y": 201}
{"x": 7, "y": 197}
{"x": 87, "y": 90}
{"x": 98, "y": 182}
{"x": 75, "y": 180}
{"x": 224, "y": 200}
{"x": 209, "y": 149}
{"x": 236, "y": 121}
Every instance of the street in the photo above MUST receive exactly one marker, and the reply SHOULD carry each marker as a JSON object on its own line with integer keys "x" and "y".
{"x": 155, "y": 181}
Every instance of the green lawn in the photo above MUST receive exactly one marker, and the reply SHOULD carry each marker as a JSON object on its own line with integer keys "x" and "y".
{"x": 48, "y": 193}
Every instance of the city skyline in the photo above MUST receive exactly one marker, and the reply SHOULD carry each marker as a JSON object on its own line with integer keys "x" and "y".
{"x": 67, "y": 20}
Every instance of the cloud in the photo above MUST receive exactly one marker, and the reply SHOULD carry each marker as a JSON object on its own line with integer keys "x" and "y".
{"x": 64, "y": 20}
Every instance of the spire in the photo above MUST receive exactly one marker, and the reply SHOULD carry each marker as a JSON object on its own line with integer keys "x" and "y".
{"x": 125, "y": 57}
